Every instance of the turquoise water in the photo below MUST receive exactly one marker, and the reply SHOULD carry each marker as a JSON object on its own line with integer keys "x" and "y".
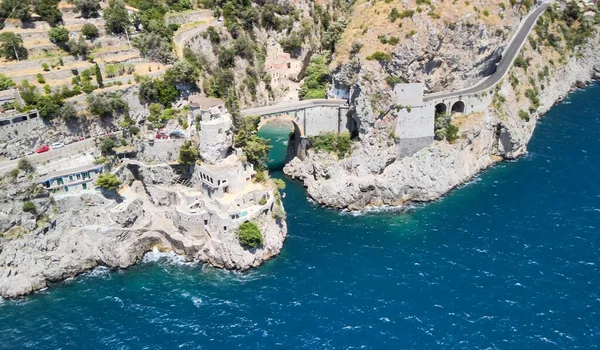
{"x": 510, "y": 260}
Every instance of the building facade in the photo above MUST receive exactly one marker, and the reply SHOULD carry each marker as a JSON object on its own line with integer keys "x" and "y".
{"x": 72, "y": 180}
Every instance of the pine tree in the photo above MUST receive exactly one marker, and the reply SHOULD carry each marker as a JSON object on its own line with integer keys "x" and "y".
{"x": 99, "y": 76}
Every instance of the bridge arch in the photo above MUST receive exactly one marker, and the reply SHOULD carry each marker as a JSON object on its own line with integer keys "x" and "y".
{"x": 298, "y": 130}
{"x": 458, "y": 107}
{"x": 441, "y": 108}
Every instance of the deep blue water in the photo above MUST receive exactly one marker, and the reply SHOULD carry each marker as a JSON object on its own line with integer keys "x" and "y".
{"x": 508, "y": 261}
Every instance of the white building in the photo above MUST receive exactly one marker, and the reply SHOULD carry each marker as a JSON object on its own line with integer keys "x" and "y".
{"x": 72, "y": 180}
{"x": 216, "y": 127}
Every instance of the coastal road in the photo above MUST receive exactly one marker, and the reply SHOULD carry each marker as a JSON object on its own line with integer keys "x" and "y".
{"x": 508, "y": 57}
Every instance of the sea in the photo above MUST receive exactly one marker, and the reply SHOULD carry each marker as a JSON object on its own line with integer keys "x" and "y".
{"x": 509, "y": 260}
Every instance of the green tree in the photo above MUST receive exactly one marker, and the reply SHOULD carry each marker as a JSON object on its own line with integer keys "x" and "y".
{"x": 99, "y": 76}
{"x": 188, "y": 154}
{"x": 108, "y": 181}
{"x": 11, "y": 46}
{"x": 89, "y": 30}
{"x": 59, "y": 35}
{"x": 88, "y": 8}
{"x": 6, "y": 83}
{"x": 48, "y": 10}
{"x": 249, "y": 235}
{"x": 315, "y": 82}
{"x": 107, "y": 145}
{"x": 18, "y": 9}
{"x": 67, "y": 111}
{"x": 47, "y": 106}
{"x": 181, "y": 72}
{"x": 116, "y": 17}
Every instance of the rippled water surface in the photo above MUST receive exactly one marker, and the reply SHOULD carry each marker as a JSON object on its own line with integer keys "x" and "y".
{"x": 507, "y": 261}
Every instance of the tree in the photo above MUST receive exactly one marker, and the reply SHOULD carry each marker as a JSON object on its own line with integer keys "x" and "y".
{"x": 116, "y": 17}
{"x": 99, "y": 76}
{"x": 78, "y": 47}
{"x": 181, "y": 72}
{"x": 188, "y": 154}
{"x": 48, "y": 10}
{"x": 14, "y": 9}
{"x": 11, "y": 46}
{"x": 67, "y": 111}
{"x": 89, "y": 30}
{"x": 315, "y": 82}
{"x": 249, "y": 235}
{"x": 105, "y": 105}
{"x": 88, "y": 8}
{"x": 59, "y": 35}
{"x": 46, "y": 106}
{"x": 108, "y": 181}
{"x": 6, "y": 83}
{"x": 106, "y": 145}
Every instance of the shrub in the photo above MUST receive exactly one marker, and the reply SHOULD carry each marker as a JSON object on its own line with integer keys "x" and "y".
{"x": 379, "y": 56}
{"x": 6, "y": 83}
{"x": 524, "y": 115}
{"x": 262, "y": 201}
{"x": 40, "y": 78}
{"x": 391, "y": 81}
{"x": 279, "y": 183}
{"x": 108, "y": 181}
{"x": 332, "y": 142}
{"x": 452, "y": 133}
{"x": 89, "y": 30}
{"x": 29, "y": 207}
{"x": 25, "y": 165}
{"x": 249, "y": 235}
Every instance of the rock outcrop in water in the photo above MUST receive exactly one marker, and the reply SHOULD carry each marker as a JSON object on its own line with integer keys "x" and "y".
{"x": 88, "y": 230}
{"x": 374, "y": 175}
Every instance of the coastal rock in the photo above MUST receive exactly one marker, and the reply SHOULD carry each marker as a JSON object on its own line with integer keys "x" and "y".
{"x": 372, "y": 175}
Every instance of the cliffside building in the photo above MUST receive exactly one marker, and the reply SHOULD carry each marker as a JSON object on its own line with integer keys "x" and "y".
{"x": 72, "y": 180}
{"x": 225, "y": 196}
{"x": 216, "y": 127}
{"x": 281, "y": 66}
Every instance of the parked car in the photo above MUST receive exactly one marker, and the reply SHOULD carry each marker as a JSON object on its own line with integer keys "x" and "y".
{"x": 176, "y": 134}
{"x": 81, "y": 138}
{"x": 56, "y": 145}
{"x": 42, "y": 149}
{"x": 161, "y": 135}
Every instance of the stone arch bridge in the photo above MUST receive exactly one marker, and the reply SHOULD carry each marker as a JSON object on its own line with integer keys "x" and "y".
{"x": 310, "y": 117}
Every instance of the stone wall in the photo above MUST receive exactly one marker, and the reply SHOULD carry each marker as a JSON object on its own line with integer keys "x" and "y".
{"x": 162, "y": 151}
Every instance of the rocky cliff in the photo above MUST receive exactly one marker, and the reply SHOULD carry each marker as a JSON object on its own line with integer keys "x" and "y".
{"x": 374, "y": 175}
{"x": 88, "y": 230}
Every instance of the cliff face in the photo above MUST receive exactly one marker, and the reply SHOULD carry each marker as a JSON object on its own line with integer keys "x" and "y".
{"x": 373, "y": 175}
{"x": 88, "y": 230}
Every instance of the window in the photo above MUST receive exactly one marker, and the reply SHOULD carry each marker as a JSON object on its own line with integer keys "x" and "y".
{"x": 78, "y": 176}
{"x": 70, "y": 177}
{"x": 84, "y": 186}
{"x": 205, "y": 222}
{"x": 60, "y": 181}
{"x": 225, "y": 228}
{"x": 47, "y": 183}
{"x": 66, "y": 188}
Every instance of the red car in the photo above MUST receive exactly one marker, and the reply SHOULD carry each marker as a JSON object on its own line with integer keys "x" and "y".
{"x": 42, "y": 149}
{"x": 161, "y": 135}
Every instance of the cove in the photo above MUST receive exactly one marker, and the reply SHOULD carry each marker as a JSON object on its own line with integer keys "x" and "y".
{"x": 510, "y": 260}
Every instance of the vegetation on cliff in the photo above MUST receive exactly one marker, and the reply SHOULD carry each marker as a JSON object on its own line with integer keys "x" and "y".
{"x": 249, "y": 235}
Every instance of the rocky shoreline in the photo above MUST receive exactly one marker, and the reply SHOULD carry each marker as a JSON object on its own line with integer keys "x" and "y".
{"x": 90, "y": 230}
{"x": 374, "y": 176}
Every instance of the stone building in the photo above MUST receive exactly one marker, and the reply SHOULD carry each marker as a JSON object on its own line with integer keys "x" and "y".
{"x": 281, "y": 66}
{"x": 225, "y": 198}
{"x": 72, "y": 180}
{"x": 215, "y": 136}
